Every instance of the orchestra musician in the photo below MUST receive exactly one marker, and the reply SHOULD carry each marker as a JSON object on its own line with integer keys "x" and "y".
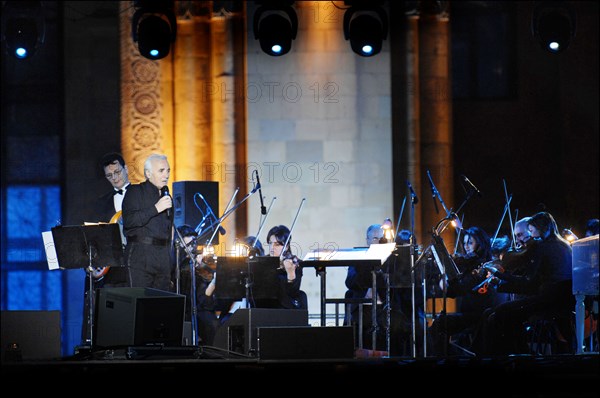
{"x": 225, "y": 308}
{"x": 516, "y": 260}
{"x": 592, "y": 227}
{"x": 471, "y": 303}
{"x": 359, "y": 282}
{"x": 290, "y": 276}
{"x": 547, "y": 280}
{"x": 105, "y": 209}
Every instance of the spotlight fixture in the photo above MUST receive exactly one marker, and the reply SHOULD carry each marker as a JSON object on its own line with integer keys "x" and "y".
{"x": 23, "y": 28}
{"x": 275, "y": 26}
{"x": 154, "y": 27}
{"x": 366, "y": 26}
{"x": 553, "y": 25}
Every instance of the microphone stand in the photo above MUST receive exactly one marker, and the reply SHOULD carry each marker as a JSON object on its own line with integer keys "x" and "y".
{"x": 193, "y": 305}
{"x": 437, "y": 232}
{"x": 262, "y": 223}
{"x": 216, "y": 224}
{"x": 388, "y": 308}
{"x": 228, "y": 212}
{"x": 413, "y": 249}
{"x": 248, "y": 283}
{"x": 90, "y": 320}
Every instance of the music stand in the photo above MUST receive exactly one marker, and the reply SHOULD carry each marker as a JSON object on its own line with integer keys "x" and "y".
{"x": 241, "y": 277}
{"x": 263, "y": 278}
{"x": 232, "y": 273}
{"x": 448, "y": 271}
{"x": 89, "y": 247}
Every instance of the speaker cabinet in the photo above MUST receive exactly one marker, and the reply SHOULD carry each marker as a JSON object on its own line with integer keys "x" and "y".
{"x": 30, "y": 335}
{"x": 189, "y": 207}
{"x": 138, "y": 316}
{"x": 239, "y": 332}
{"x": 308, "y": 342}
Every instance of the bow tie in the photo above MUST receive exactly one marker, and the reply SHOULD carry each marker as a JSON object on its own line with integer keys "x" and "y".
{"x": 118, "y": 191}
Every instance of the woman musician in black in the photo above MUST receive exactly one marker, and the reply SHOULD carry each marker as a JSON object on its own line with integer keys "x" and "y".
{"x": 471, "y": 303}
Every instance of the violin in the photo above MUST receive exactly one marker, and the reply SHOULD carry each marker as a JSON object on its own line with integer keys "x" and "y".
{"x": 205, "y": 264}
{"x": 486, "y": 272}
{"x": 516, "y": 257}
{"x": 466, "y": 262}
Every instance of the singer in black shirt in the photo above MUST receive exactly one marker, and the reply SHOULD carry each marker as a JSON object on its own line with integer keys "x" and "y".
{"x": 147, "y": 224}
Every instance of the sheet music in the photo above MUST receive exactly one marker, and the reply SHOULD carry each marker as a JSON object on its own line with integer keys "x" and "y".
{"x": 50, "y": 250}
{"x": 379, "y": 252}
{"x": 337, "y": 254}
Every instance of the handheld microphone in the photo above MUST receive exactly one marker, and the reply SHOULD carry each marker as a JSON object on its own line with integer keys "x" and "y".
{"x": 164, "y": 191}
{"x": 263, "y": 209}
{"x": 414, "y": 196}
{"x": 473, "y": 187}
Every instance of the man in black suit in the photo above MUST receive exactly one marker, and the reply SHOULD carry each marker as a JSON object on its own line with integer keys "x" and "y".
{"x": 107, "y": 208}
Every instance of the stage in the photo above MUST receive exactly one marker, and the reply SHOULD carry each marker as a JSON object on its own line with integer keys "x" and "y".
{"x": 151, "y": 368}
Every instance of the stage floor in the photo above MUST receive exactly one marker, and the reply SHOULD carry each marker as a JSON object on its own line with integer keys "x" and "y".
{"x": 152, "y": 369}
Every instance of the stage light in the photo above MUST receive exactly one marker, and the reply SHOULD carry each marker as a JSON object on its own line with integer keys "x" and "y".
{"x": 553, "y": 25}
{"x": 154, "y": 28}
{"x": 275, "y": 26}
{"x": 23, "y": 28}
{"x": 366, "y": 26}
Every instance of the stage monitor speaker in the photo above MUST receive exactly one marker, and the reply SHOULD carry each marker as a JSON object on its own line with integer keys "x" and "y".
{"x": 138, "y": 316}
{"x": 239, "y": 332}
{"x": 189, "y": 206}
{"x": 308, "y": 342}
{"x": 30, "y": 335}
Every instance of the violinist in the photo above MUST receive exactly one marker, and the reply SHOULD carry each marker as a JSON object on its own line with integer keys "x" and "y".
{"x": 252, "y": 247}
{"x": 471, "y": 303}
{"x": 547, "y": 279}
{"x": 204, "y": 275}
{"x": 290, "y": 275}
{"x": 516, "y": 261}
{"x": 359, "y": 281}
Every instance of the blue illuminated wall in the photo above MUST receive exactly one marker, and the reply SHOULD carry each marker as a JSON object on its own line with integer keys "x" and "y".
{"x": 27, "y": 284}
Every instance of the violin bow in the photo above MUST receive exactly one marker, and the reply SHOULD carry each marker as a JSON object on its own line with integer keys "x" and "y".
{"x": 287, "y": 241}
{"x": 512, "y": 227}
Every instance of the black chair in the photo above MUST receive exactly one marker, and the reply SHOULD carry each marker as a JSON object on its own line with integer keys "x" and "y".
{"x": 551, "y": 333}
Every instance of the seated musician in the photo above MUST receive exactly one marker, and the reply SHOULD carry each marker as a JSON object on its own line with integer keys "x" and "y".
{"x": 359, "y": 282}
{"x": 547, "y": 279}
{"x": 471, "y": 300}
{"x": 289, "y": 276}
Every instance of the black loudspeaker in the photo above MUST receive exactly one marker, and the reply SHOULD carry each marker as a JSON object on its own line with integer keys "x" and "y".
{"x": 138, "y": 316}
{"x": 240, "y": 332}
{"x": 190, "y": 208}
{"x": 30, "y": 335}
{"x": 306, "y": 342}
